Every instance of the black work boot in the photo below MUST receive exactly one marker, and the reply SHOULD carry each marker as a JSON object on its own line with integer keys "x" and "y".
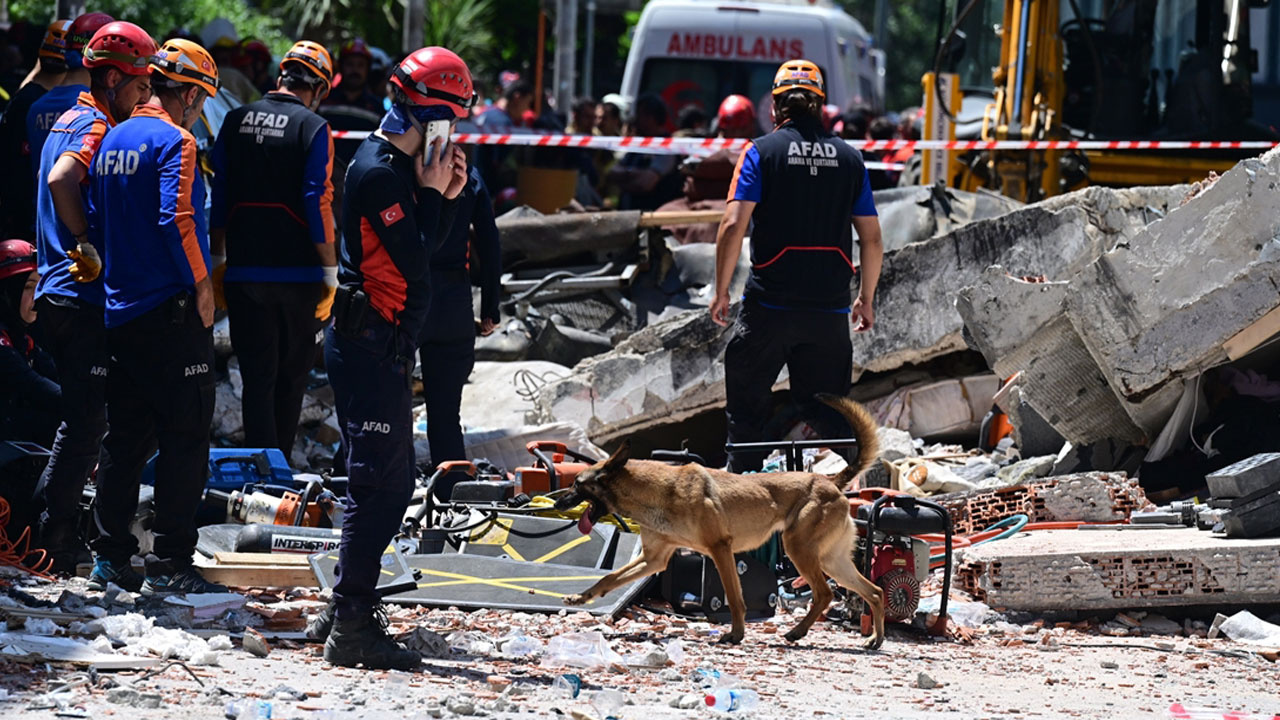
{"x": 321, "y": 624}
{"x": 364, "y": 641}
{"x": 63, "y": 544}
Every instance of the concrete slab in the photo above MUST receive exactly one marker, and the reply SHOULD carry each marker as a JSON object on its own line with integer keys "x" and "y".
{"x": 1084, "y": 570}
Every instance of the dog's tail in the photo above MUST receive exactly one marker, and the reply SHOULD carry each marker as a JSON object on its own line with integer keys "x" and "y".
{"x": 864, "y": 431}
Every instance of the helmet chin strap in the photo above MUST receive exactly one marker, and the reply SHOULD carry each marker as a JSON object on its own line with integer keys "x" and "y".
{"x": 111, "y": 91}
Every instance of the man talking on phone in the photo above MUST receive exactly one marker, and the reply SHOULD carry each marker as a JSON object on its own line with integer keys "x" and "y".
{"x": 396, "y": 210}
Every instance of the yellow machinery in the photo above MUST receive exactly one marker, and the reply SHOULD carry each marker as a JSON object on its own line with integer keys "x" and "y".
{"x": 1096, "y": 76}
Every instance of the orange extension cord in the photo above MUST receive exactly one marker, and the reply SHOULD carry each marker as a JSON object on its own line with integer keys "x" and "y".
{"x": 19, "y": 553}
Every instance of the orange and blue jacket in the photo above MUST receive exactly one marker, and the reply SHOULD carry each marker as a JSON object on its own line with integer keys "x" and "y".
{"x": 150, "y": 201}
{"x": 77, "y": 134}
{"x": 390, "y": 228}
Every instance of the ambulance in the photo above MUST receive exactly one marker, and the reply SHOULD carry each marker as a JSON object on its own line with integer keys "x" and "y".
{"x": 697, "y": 52}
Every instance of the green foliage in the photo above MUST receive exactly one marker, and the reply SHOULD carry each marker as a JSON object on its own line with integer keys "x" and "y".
{"x": 463, "y": 27}
{"x": 631, "y": 18}
{"x": 158, "y": 17}
{"x": 912, "y": 44}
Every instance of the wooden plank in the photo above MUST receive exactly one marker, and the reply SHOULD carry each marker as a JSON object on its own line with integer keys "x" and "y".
{"x": 1248, "y": 339}
{"x": 285, "y": 576}
{"x": 241, "y": 558}
{"x": 676, "y": 217}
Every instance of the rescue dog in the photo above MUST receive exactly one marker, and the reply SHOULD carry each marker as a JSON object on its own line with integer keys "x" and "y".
{"x": 718, "y": 513}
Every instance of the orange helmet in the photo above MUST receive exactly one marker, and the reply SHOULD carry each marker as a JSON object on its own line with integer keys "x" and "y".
{"x": 736, "y": 113}
{"x": 313, "y": 58}
{"x": 799, "y": 75}
{"x": 53, "y": 50}
{"x": 121, "y": 45}
{"x": 183, "y": 61}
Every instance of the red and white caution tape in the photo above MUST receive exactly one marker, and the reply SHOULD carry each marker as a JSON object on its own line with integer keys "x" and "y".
{"x": 701, "y": 146}
{"x": 1178, "y": 712}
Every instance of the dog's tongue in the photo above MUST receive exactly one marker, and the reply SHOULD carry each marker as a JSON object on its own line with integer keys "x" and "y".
{"x": 585, "y": 523}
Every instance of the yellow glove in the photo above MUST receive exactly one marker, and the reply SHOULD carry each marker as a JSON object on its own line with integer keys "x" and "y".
{"x": 324, "y": 308}
{"x": 219, "y": 263}
{"x": 86, "y": 265}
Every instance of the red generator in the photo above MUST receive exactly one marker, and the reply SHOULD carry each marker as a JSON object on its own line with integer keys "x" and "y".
{"x": 891, "y": 557}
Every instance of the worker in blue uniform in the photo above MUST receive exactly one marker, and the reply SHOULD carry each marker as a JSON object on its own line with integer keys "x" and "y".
{"x": 149, "y": 196}
{"x": 45, "y": 111}
{"x": 70, "y": 296}
{"x": 447, "y": 350}
{"x": 802, "y": 188}
{"x": 396, "y": 210}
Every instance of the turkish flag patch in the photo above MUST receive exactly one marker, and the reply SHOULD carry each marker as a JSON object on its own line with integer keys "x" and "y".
{"x": 392, "y": 215}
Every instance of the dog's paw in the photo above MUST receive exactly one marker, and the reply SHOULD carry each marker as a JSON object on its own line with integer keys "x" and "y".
{"x": 796, "y": 635}
{"x": 579, "y": 599}
{"x": 732, "y": 638}
{"x": 873, "y": 643}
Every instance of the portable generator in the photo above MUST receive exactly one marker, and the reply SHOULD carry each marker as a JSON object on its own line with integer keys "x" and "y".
{"x": 551, "y": 470}
{"x": 889, "y": 554}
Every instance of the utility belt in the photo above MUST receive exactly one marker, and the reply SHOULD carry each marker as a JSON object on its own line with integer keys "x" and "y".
{"x": 350, "y": 310}
{"x": 352, "y": 316}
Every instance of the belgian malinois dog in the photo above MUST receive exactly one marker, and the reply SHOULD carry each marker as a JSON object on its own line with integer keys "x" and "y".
{"x": 718, "y": 513}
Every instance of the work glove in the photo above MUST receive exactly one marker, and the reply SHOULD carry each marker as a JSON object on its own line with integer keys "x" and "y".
{"x": 86, "y": 264}
{"x": 219, "y": 263}
{"x": 324, "y": 308}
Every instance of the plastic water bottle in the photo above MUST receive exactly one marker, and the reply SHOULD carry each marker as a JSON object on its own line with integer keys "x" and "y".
{"x": 732, "y": 700}
{"x": 608, "y": 702}
{"x": 520, "y": 645}
{"x": 567, "y": 686}
{"x": 709, "y": 678}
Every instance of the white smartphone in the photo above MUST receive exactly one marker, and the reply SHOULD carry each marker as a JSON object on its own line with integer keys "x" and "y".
{"x": 436, "y": 129}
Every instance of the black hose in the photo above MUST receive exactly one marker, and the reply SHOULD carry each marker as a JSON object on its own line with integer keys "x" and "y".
{"x": 1097, "y": 62}
{"x": 942, "y": 51}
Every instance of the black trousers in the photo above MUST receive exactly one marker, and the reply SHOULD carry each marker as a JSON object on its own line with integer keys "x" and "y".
{"x": 75, "y": 336}
{"x": 816, "y": 349}
{"x": 159, "y": 394}
{"x": 276, "y": 337}
{"x": 447, "y": 353}
{"x": 371, "y": 376}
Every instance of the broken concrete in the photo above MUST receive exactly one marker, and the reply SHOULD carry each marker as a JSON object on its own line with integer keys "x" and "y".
{"x": 1086, "y": 497}
{"x": 916, "y": 319}
{"x": 662, "y": 374}
{"x": 916, "y": 213}
{"x": 1116, "y": 569}
{"x": 1104, "y": 355}
{"x": 531, "y": 239}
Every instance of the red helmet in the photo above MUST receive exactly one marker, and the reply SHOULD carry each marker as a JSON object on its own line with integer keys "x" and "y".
{"x": 736, "y": 113}
{"x": 16, "y": 256}
{"x": 435, "y": 76}
{"x": 121, "y": 45}
{"x": 83, "y": 28}
{"x": 355, "y": 47}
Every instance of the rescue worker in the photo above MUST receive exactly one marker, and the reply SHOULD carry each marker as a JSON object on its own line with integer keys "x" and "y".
{"x": 272, "y": 226}
{"x": 395, "y": 213}
{"x": 46, "y": 111}
{"x": 28, "y": 405}
{"x": 736, "y": 118}
{"x": 447, "y": 350}
{"x": 256, "y": 63}
{"x": 159, "y": 315}
{"x": 70, "y": 296}
{"x": 17, "y": 192}
{"x": 800, "y": 186}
